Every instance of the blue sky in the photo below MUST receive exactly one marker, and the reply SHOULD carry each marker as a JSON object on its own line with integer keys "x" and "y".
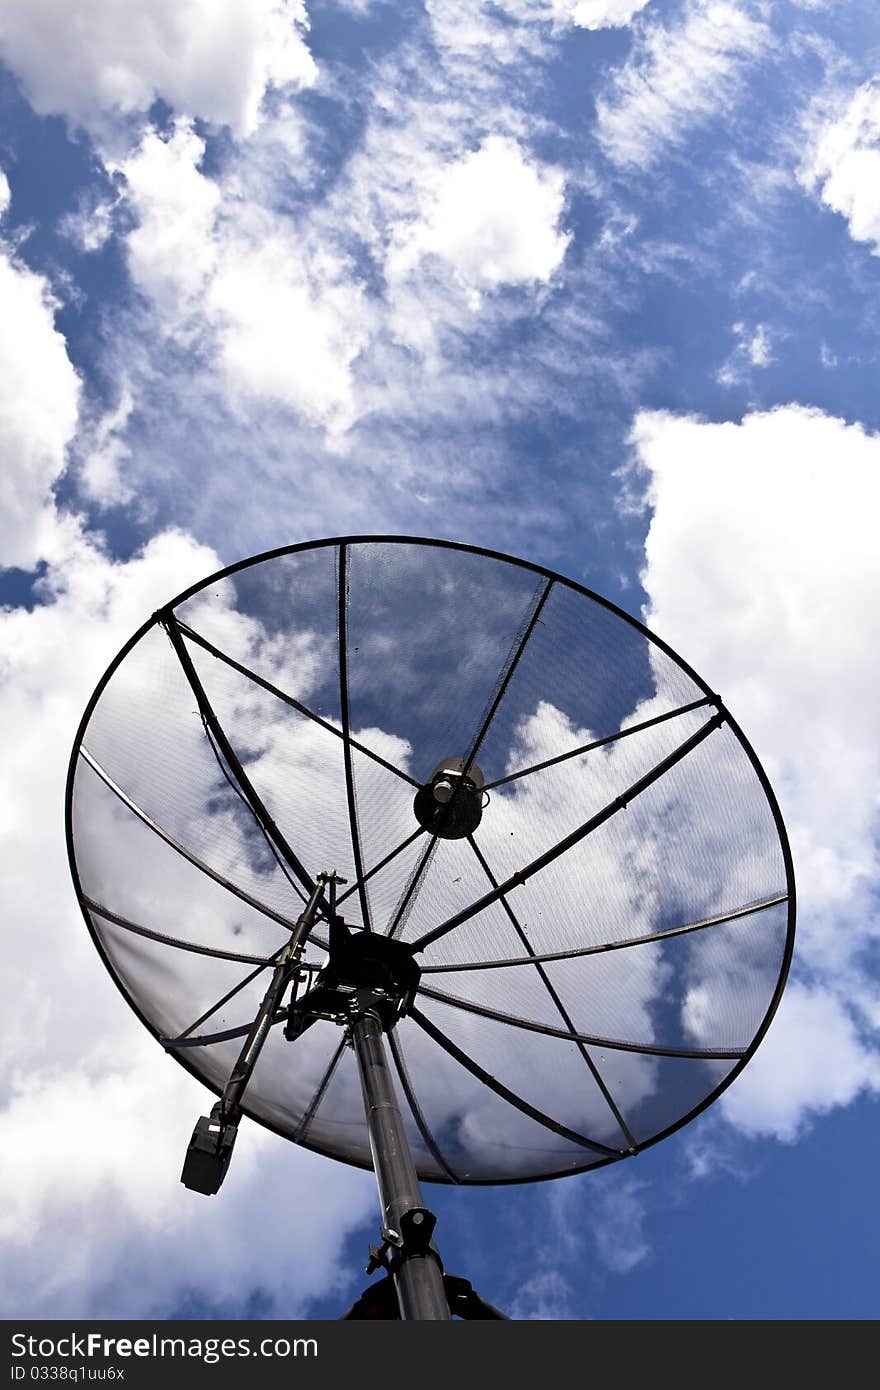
{"x": 593, "y": 282}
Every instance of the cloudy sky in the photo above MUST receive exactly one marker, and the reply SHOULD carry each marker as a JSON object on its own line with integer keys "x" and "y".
{"x": 593, "y": 282}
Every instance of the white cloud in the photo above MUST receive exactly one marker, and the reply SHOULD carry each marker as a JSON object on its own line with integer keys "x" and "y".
{"x": 410, "y": 195}
{"x": 597, "y": 1216}
{"x": 275, "y": 277}
{"x": 279, "y": 314}
{"x": 600, "y": 14}
{"x": 171, "y": 251}
{"x": 39, "y": 395}
{"x": 101, "y": 478}
{"x": 676, "y": 78}
{"x": 289, "y": 332}
{"x": 758, "y": 347}
{"x": 93, "y": 1162}
{"x": 843, "y": 164}
{"x": 828, "y": 358}
{"x": 4, "y": 193}
{"x": 286, "y": 306}
{"x": 714, "y": 1146}
{"x": 812, "y": 1060}
{"x": 546, "y": 1297}
{"x": 753, "y": 349}
{"x": 476, "y": 27}
{"x": 53, "y": 657}
{"x": 492, "y": 216}
{"x": 609, "y": 1209}
{"x": 265, "y": 304}
{"x": 762, "y": 568}
{"x": 619, "y": 1222}
{"x": 210, "y": 58}
{"x": 481, "y": 36}
{"x": 90, "y": 226}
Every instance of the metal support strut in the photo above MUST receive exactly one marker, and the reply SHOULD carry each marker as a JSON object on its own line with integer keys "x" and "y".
{"x": 407, "y": 1225}
{"x": 210, "y": 1147}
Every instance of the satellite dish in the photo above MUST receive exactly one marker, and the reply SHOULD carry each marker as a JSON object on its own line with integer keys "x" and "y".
{"x": 432, "y": 861}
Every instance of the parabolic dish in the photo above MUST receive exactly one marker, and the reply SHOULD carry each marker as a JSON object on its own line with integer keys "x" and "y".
{"x": 600, "y": 957}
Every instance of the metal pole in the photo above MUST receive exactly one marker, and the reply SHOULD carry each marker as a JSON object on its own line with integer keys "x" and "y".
{"x": 415, "y": 1268}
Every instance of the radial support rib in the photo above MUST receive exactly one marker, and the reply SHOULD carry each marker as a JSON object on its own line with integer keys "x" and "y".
{"x": 350, "y": 794}
{"x": 412, "y": 1101}
{"x": 377, "y": 868}
{"x": 410, "y": 894}
{"x": 551, "y": 990}
{"x": 414, "y": 885}
{"x": 293, "y": 703}
{"x": 575, "y": 837}
{"x": 309, "y": 1112}
{"x": 249, "y": 792}
{"x": 505, "y": 1093}
{"x": 507, "y": 673}
{"x": 602, "y": 742}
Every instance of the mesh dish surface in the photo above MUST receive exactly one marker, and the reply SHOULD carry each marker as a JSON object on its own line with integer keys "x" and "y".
{"x": 600, "y": 958}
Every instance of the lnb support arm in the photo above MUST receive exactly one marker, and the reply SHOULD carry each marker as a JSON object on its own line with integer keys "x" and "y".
{"x": 210, "y": 1148}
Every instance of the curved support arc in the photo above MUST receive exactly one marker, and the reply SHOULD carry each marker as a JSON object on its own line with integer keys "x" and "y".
{"x": 180, "y": 849}
{"x": 646, "y": 1049}
{"x": 195, "y": 947}
{"x": 577, "y": 952}
{"x": 505, "y": 1093}
{"x": 208, "y": 1039}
